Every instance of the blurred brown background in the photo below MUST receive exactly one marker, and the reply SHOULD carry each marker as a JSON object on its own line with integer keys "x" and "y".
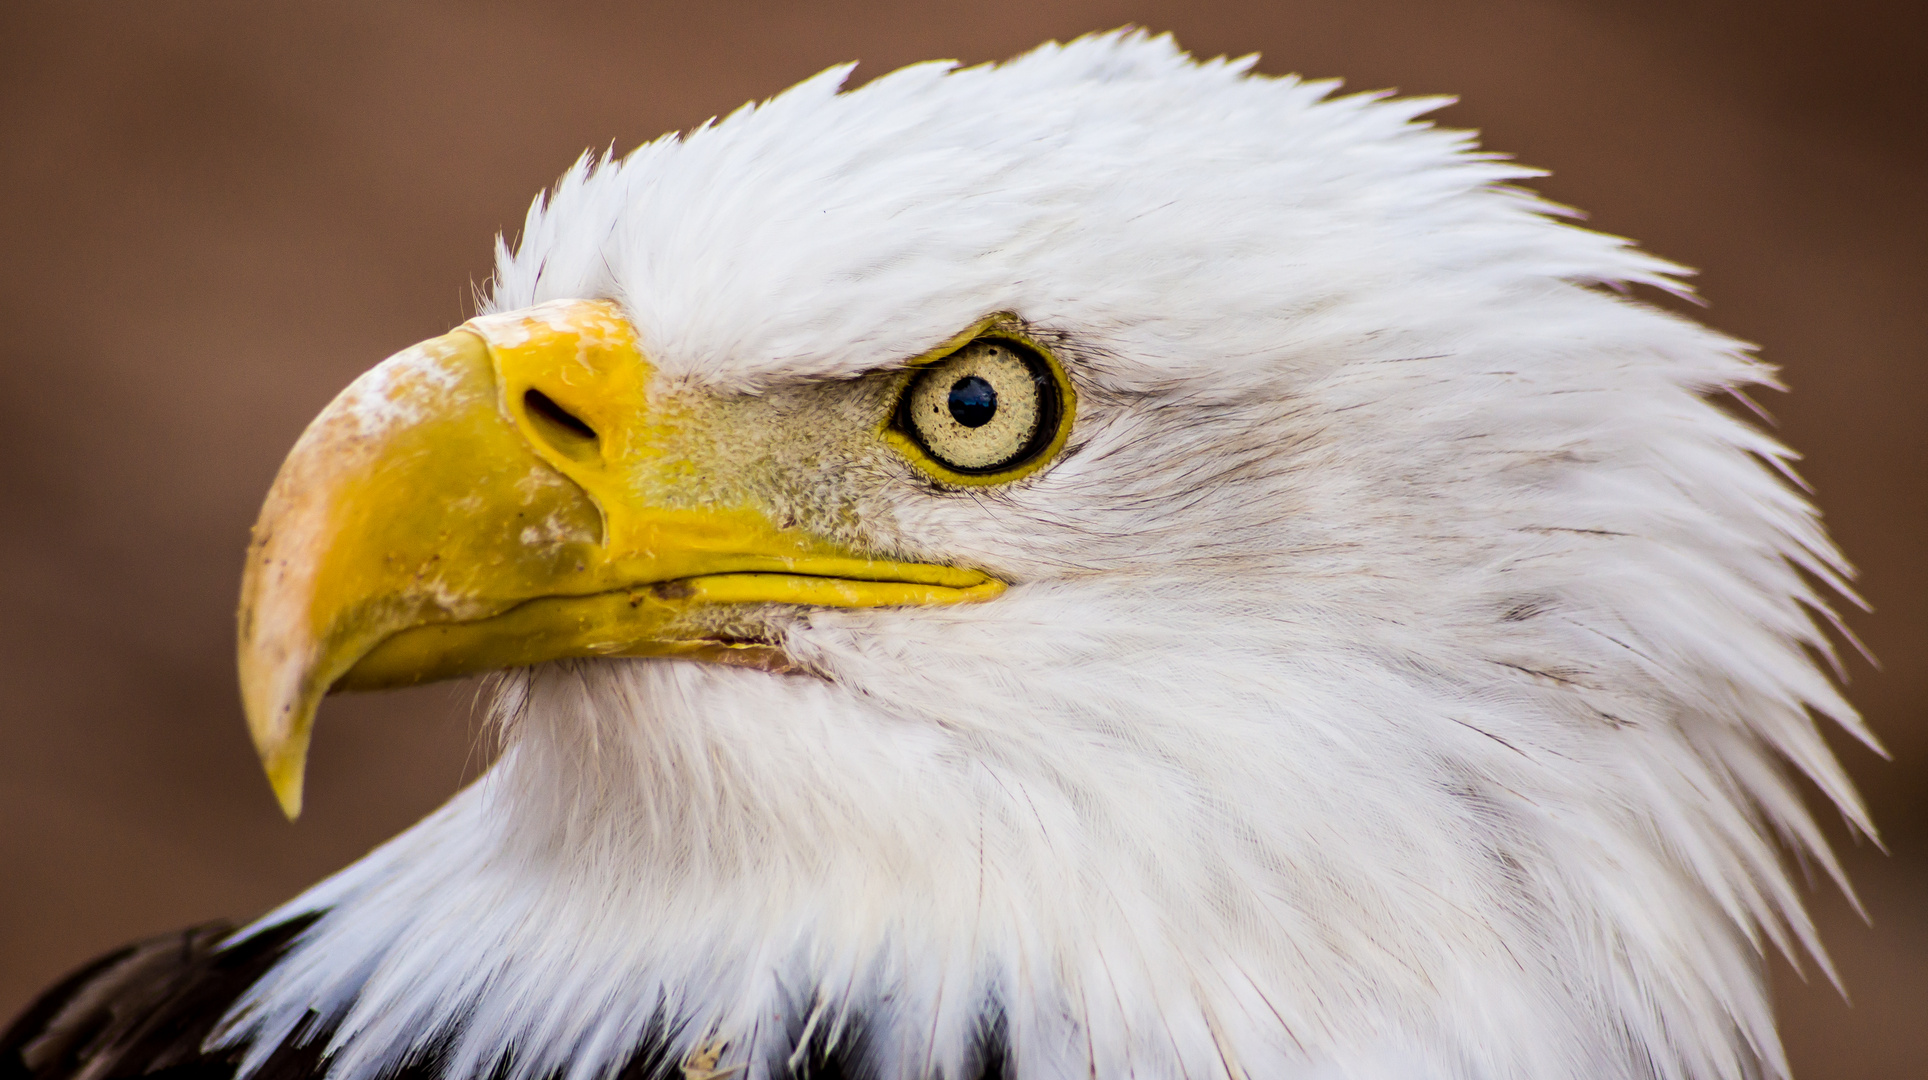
{"x": 213, "y": 215}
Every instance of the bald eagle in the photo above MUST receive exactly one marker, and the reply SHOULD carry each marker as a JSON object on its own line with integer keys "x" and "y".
{"x": 1101, "y": 565}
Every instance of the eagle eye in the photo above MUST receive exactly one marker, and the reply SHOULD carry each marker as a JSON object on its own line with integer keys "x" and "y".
{"x": 986, "y": 413}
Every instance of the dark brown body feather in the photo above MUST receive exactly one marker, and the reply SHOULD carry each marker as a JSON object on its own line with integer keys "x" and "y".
{"x": 146, "y": 1010}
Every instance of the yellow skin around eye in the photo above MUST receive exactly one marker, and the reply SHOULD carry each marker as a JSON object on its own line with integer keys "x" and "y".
{"x": 1012, "y": 426}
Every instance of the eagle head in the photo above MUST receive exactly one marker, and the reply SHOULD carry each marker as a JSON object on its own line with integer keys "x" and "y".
{"x": 1098, "y": 565}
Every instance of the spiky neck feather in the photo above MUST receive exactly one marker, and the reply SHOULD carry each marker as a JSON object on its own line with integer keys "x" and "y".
{"x": 1217, "y": 865}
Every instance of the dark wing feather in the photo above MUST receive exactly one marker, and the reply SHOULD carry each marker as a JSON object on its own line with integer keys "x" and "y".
{"x": 146, "y": 1010}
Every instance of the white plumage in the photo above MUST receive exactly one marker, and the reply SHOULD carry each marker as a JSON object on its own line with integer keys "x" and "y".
{"x": 1395, "y": 677}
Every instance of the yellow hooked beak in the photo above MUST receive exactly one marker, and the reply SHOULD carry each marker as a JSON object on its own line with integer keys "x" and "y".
{"x": 497, "y": 497}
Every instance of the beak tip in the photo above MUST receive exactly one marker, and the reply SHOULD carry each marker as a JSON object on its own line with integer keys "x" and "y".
{"x": 287, "y": 792}
{"x": 286, "y": 765}
{"x": 283, "y": 749}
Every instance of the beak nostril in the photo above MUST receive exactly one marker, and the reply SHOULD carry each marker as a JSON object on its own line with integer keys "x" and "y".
{"x": 556, "y": 422}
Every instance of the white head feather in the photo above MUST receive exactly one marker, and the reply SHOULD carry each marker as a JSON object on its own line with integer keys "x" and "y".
{"x": 1394, "y": 682}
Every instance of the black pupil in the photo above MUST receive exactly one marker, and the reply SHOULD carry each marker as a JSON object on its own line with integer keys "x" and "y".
{"x": 973, "y": 402}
